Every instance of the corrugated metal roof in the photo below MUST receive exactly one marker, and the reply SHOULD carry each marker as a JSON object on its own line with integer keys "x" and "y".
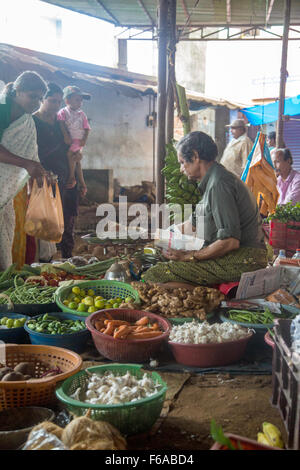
{"x": 198, "y": 13}
{"x": 14, "y": 60}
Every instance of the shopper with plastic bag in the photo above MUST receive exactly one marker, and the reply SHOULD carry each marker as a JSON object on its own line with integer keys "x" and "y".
{"x": 18, "y": 151}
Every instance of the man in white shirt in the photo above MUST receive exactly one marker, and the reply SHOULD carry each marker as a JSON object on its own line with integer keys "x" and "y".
{"x": 235, "y": 154}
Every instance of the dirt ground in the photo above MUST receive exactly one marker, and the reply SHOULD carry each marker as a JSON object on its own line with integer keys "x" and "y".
{"x": 239, "y": 404}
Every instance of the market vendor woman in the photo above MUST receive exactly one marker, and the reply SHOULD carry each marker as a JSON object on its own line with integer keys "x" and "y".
{"x": 234, "y": 240}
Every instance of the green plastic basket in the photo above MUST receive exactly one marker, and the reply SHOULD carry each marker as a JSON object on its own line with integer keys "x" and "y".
{"x": 107, "y": 289}
{"x": 128, "y": 418}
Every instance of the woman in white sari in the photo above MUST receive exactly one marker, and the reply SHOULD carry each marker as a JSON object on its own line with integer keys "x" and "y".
{"x": 18, "y": 151}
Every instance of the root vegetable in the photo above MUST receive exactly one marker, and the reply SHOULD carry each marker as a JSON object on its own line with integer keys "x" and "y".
{"x": 12, "y": 377}
{"x": 48, "y": 427}
{"x": 25, "y": 368}
{"x": 4, "y": 371}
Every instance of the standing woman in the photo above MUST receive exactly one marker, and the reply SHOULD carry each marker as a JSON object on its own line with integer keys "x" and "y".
{"x": 18, "y": 151}
{"x": 53, "y": 156}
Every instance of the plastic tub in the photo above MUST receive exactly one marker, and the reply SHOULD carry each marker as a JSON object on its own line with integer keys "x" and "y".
{"x": 244, "y": 442}
{"x": 16, "y": 424}
{"x": 260, "y": 329}
{"x": 120, "y": 350}
{"x": 14, "y": 335}
{"x": 129, "y": 418}
{"x": 74, "y": 341}
{"x": 211, "y": 354}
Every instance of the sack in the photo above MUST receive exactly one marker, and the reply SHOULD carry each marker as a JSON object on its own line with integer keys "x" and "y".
{"x": 44, "y": 217}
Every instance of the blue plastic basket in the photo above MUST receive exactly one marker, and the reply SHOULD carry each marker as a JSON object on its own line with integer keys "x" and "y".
{"x": 74, "y": 341}
{"x": 14, "y": 335}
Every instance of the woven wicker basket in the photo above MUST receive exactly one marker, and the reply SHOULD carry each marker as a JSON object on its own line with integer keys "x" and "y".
{"x": 39, "y": 391}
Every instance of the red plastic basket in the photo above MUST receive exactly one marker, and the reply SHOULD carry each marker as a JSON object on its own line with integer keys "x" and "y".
{"x": 120, "y": 350}
{"x": 210, "y": 354}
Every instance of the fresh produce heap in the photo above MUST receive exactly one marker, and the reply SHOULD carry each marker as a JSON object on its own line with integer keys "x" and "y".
{"x": 257, "y": 317}
{"x": 6, "y": 322}
{"x": 27, "y": 293}
{"x": 86, "y": 300}
{"x": 179, "y": 189}
{"x": 25, "y": 371}
{"x": 111, "y": 389}
{"x": 270, "y": 436}
{"x": 203, "y": 333}
{"x": 80, "y": 434}
{"x": 51, "y": 325}
{"x": 286, "y": 212}
{"x": 120, "y": 329}
{"x": 179, "y": 302}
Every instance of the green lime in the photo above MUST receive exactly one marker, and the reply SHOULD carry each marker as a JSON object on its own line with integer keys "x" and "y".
{"x": 82, "y": 293}
{"x": 88, "y": 301}
{"x": 3, "y": 320}
{"x": 92, "y": 309}
{"x": 129, "y": 300}
{"x": 77, "y": 300}
{"x": 111, "y": 301}
{"x": 76, "y": 290}
{"x": 108, "y": 306}
{"x": 116, "y": 305}
{"x": 22, "y": 320}
{"x": 91, "y": 292}
{"x": 99, "y": 297}
{"x": 73, "y": 305}
{"x": 17, "y": 324}
{"x": 100, "y": 303}
{"x": 82, "y": 307}
{"x": 10, "y": 323}
{"x": 118, "y": 300}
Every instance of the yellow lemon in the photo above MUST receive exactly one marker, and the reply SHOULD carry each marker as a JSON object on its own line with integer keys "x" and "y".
{"x": 76, "y": 290}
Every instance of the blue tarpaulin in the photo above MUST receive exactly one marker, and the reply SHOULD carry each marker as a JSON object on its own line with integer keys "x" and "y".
{"x": 258, "y": 115}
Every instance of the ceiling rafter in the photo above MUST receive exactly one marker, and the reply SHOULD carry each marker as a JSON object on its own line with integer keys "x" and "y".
{"x": 108, "y": 12}
{"x": 141, "y": 3}
{"x": 269, "y": 11}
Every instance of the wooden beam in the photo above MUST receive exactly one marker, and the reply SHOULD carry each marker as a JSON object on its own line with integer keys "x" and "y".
{"x": 186, "y": 12}
{"x": 171, "y": 72}
{"x": 269, "y": 11}
{"x": 283, "y": 73}
{"x": 146, "y": 11}
{"x": 228, "y": 11}
{"x": 108, "y": 12}
{"x": 161, "y": 98}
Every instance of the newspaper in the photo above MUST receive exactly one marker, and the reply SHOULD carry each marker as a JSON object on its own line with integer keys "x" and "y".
{"x": 259, "y": 283}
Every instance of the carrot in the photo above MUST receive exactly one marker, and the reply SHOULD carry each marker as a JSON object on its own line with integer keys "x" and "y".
{"x": 109, "y": 329}
{"x": 108, "y": 315}
{"x": 155, "y": 326}
{"x": 102, "y": 330}
{"x": 116, "y": 322}
{"x": 98, "y": 325}
{"x": 142, "y": 321}
{"x": 142, "y": 329}
{"x": 121, "y": 332}
{"x": 145, "y": 335}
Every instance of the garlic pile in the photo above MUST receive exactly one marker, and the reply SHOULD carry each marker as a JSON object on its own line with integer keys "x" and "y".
{"x": 201, "y": 333}
{"x": 110, "y": 389}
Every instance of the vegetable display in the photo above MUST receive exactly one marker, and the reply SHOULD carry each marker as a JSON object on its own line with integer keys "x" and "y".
{"x": 28, "y": 293}
{"x": 48, "y": 324}
{"x": 203, "y": 333}
{"x": 119, "y": 329}
{"x": 179, "y": 302}
{"x": 86, "y": 300}
{"x": 6, "y": 322}
{"x": 111, "y": 389}
{"x": 25, "y": 371}
{"x": 257, "y": 317}
{"x": 286, "y": 212}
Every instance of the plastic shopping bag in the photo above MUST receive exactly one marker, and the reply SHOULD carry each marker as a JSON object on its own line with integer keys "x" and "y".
{"x": 44, "y": 217}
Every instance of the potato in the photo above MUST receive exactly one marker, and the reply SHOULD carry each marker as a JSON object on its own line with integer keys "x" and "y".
{"x": 12, "y": 377}
{"x": 25, "y": 368}
{"x": 4, "y": 371}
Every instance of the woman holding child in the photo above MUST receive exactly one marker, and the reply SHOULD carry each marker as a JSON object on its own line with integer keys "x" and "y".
{"x": 53, "y": 155}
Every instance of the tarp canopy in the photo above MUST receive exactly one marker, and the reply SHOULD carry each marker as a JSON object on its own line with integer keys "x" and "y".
{"x": 258, "y": 115}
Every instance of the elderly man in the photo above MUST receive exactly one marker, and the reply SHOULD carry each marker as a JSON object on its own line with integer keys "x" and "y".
{"x": 235, "y": 154}
{"x": 288, "y": 180}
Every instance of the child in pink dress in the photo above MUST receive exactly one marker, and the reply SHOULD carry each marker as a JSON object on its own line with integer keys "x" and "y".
{"x": 75, "y": 128}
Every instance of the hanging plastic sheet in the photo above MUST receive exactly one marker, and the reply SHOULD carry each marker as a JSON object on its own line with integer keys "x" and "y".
{"x": 259, "y": 176}
{"x": 258, "y": 115}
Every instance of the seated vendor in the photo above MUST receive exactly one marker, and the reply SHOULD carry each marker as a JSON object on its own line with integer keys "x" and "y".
{"x": 234, "y": 240}
{"x": 288, "y": 180}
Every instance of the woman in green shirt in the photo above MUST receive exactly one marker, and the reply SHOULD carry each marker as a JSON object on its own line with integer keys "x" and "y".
{"x": 230, "y": 220}
{"x": 18, "y": 151}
